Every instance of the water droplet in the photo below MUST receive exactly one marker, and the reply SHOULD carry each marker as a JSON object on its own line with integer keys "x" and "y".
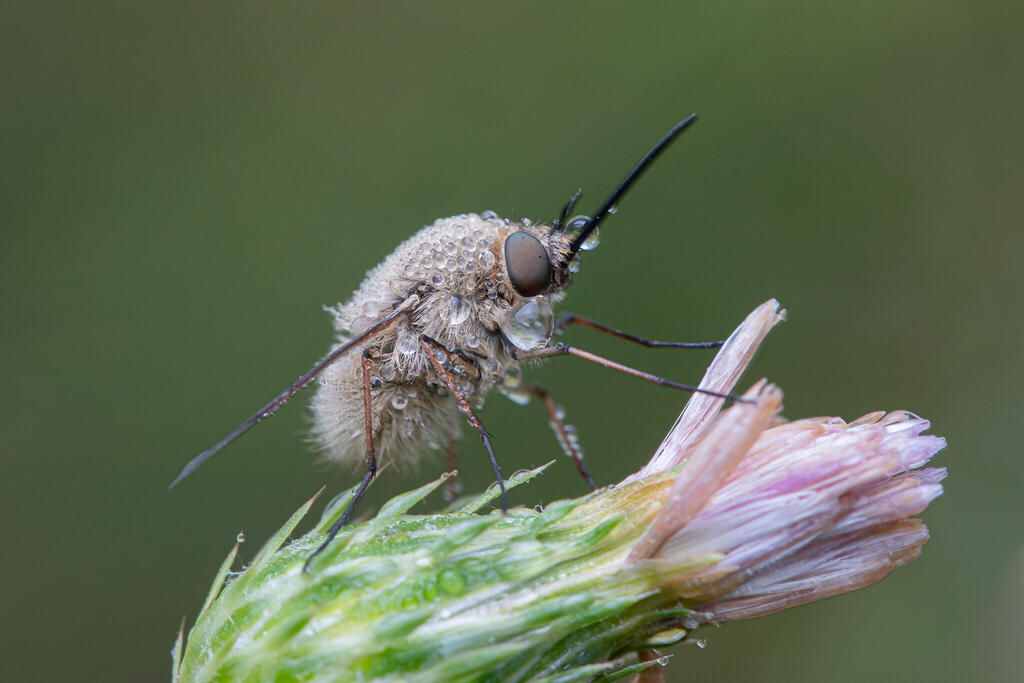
{"x": 486, "y": 257}
{"x": 515, "y": 394}
{"x": 387, "y": 372}
{"x": 409, "y": 270}
{"x": 663, "y": 661}
{"x": 593, "y": 239}
{"x": 472, "y": 341}
{"x": 529, "y": 325}
{"x": 574, "y": 265}
{"x": 488, "y": 215}
{"x": 376, "y": 383}
{"x": 456, "y": 310}
{"x": 701, "y": 643}
{"x": 451, "y": 248}
{"x": 612, "y": 210}
{"x": 560, "y": 412}
{"x": 527, "y": 222}
{"x": 450, "y": 264}
{"x": 360, "y": 325}
{"x": 451, "y": 581}
{"x": 468, "y": 245}
{"x": 240, "y": 537}
{"x": 406, "y": 345}
{"x": 399, "y": 402}
{"x": 437, "y": 278}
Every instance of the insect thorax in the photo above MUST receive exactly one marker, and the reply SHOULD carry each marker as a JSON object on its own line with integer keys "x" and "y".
{"x": 455, "y": 268}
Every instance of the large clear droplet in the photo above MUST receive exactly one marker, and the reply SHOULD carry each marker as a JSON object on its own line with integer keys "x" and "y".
{"x": 529, "y": 326}
{"x": 406, "y": 345}
{"x": 593, "y": 239}
{"x": 456, "y": 310}
{"x": 399, "y": 402}
{"x": 516, "y": 395}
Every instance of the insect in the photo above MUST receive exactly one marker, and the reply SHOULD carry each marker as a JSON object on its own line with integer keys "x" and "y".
{"x": 444, "y": 319}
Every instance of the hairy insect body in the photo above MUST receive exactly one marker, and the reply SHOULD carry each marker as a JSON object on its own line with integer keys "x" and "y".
{"x": 443, "y": 320}
{"x": 453, "y": 278}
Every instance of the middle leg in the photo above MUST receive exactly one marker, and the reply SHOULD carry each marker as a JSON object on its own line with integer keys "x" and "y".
{"x": 567, "y": 440}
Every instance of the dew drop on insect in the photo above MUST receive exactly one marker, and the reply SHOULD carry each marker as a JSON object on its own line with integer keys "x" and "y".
{"x": 387, "y": 372}
{"x": 529, "y": 325}
{"x": 527, "y": 222}
{"x": 488, "y": 215}
{"x": 437, "y": 278}
{"x": 593, "y": 239}
{"x": 701, "y": 643}
{"x": 451, "y": 248}
{"x": 456, "y": 310}
{"x": 360, "y": 325}
{"x": 406, "y": 345}
{"x": 663, "y": 661}
{"x": 472, "y": 341}
{"x": 468, "y": 245}
{"x": 399, "y": 402}
{"x": 486, "y": 256}
{"x": 240, "y": 537}
{"x": 492, "y": 294}
{"x": 450, "y": 264}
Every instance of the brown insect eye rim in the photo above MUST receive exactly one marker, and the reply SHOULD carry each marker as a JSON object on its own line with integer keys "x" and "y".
{"x": 529, "y": 269}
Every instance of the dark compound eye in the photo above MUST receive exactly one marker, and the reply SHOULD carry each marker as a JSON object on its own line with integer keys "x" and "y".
{"x": 527, "y": 262}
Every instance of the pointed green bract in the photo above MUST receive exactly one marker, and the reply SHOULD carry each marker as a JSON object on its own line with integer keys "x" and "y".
{"x": 456, "y": 596}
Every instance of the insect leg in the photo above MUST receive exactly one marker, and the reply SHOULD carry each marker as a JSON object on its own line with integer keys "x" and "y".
{"x": 267, "y": 410}
{"x": 567, "y": 319}
{"x": 431, "y": 345}
{"x": 559, "y": 426}
{"x": 566, "y": 350}
{"x": 371, "y": 463}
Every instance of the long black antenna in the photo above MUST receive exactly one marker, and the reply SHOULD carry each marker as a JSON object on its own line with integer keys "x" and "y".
{"x": 628, "y": 181}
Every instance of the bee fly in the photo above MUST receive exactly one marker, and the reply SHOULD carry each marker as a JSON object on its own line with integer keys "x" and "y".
{"x": 448, "y": 316}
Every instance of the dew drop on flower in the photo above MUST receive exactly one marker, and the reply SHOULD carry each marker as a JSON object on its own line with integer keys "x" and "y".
{"x": 529, "y": 325}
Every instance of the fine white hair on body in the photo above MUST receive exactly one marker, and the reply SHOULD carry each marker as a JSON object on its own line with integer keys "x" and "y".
{"x": 460, "y": 262}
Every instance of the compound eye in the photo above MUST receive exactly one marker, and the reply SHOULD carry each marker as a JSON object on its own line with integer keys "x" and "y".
{"x": 528, "y": 265}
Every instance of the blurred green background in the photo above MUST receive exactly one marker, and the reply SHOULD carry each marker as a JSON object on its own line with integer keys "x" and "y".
{"x": 184, "y": 187}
